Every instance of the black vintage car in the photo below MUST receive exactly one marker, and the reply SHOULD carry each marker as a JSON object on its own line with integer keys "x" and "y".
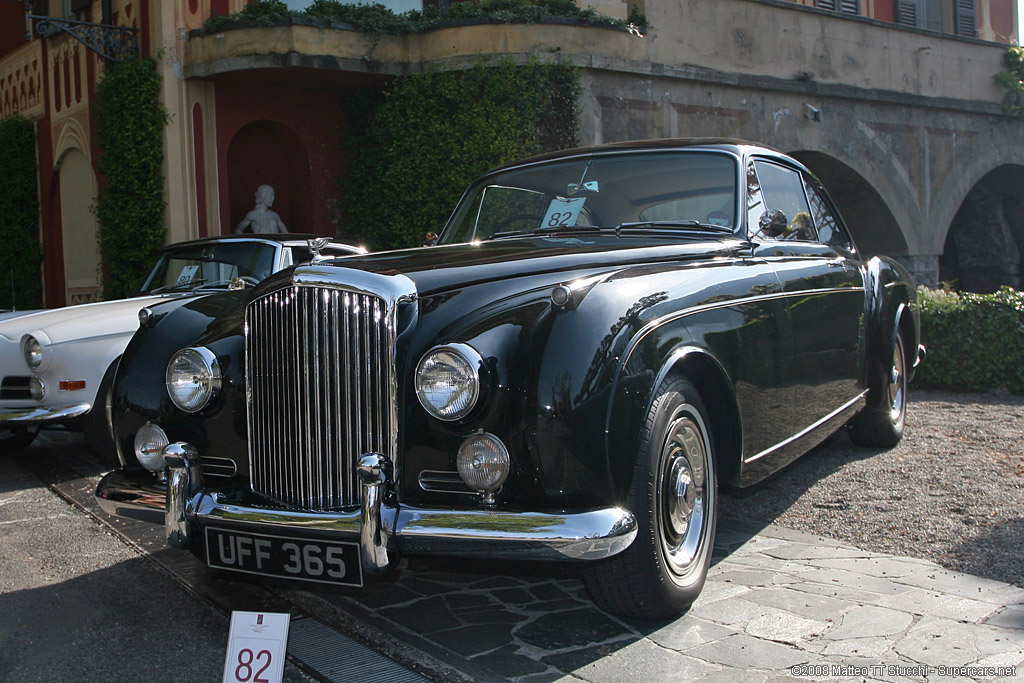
{"x": 597, "y": 342}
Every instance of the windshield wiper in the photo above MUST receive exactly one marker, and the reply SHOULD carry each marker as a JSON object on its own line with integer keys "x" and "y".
{"x": 689, "y": 223}
{"x": 561, "y": 229}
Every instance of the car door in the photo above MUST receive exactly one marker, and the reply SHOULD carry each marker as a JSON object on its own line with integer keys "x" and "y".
{"x": 824, "y": 291}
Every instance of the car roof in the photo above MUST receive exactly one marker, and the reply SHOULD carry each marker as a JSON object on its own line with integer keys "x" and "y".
{"x": 730, "y": 144}
{"x": 279, "y": 237}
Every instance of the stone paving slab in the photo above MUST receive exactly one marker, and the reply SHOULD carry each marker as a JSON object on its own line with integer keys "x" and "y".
{"x": 779, "y": 605}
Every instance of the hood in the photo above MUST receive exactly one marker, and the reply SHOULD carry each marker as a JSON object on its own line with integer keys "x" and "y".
{"x": 77, "y": 322}
{"x": 441, "y": 268}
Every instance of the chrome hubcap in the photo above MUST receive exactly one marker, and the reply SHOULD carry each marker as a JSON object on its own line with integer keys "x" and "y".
{"x": 896, "y": 394}
{"x": 684, "y": 491}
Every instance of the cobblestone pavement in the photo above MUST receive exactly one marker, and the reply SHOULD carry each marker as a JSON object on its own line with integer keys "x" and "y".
{"x": 779, "y": 605}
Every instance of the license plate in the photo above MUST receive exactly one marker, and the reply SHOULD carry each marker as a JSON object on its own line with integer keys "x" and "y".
{"x": 284, "y": 556}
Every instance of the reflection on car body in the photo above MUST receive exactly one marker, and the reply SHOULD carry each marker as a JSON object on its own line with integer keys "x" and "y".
{"x": 598, "y": 340}
{"x": 57, "y": 365}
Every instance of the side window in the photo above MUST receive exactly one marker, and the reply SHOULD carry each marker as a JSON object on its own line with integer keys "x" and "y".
{"x": 830, "y": 226}
{"x": 783, "y": 189}
{"x": 755, "y": 202}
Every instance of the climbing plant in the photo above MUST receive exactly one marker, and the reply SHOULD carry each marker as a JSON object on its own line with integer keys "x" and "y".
{"x": 1013, "y": 80}
{"x": 416, "y": 145}
{"x": 130, "y": 119}
{"x": 20, "y": 282}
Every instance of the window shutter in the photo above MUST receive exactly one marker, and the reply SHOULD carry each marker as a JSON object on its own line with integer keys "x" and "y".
{"x": 907, "y": 12}
{"x": 844, "y": 6}
{"x": 966, "y": 19}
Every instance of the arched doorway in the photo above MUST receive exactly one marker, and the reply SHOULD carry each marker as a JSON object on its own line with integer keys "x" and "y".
{"x": 269, "y": 153}
{"x": 866, "y": 214}
{"x": 984, "y": 247}
{"x": 82, "y": 274}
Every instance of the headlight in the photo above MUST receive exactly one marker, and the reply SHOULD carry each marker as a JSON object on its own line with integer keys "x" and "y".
{"x": 32, "y": 351}
{"x": 36, "y": 389}
{"x": 483, "y": 463}
{"x": 448, "y": 381}
{"x": 193, "y": 378}
{"x": 149, "y": 446}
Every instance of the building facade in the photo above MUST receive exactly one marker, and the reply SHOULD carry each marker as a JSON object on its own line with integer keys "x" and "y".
{"x": 891, "y": 102}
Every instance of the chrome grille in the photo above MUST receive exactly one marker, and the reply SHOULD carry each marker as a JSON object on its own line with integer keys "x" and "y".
{"x": 321, "y": 392}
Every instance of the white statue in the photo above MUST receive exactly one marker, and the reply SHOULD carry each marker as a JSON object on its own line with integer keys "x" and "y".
{"x": 262, "y": 219}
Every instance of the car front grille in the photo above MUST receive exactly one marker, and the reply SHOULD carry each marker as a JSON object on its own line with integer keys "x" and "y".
{"x": 14, "y": 387}
{"x": 321, "y": 392}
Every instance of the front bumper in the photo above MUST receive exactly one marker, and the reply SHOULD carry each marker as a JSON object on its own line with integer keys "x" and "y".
{"x": 383, "y": 528}
{"x": 41, "y": 415}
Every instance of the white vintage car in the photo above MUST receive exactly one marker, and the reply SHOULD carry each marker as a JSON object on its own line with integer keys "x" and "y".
{"x": 58, "y": 365}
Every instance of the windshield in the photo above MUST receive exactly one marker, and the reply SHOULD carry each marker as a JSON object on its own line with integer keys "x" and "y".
{"x": 212, "y": 265}
{"x": 697, "y": 188}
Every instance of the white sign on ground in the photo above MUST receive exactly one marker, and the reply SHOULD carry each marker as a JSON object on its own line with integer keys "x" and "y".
{"x": 257, "y": 643}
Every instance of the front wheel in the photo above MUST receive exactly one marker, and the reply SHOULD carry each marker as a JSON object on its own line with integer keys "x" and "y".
{"x": 880, "y": 424}
{"x": 675, "y": 500}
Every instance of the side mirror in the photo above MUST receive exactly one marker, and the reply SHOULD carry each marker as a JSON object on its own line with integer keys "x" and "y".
{"x": 772, "y": 223}
{"x": 430, "y": 239}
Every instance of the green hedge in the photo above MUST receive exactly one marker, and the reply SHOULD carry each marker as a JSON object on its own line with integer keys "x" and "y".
{"x": 376, "y": 18}
{"x": 20, "y": 280}
{"x": 416, "y": 146}
{"x": 975, "y": 341}
{"x": 130, "y": 120}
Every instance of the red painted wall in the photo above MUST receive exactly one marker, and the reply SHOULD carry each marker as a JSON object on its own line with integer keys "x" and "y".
{"x": 12, "y": 27}
{"x": 885, "y": 11}
{"x": 1001, "y": 16}
{"x": 287, "y": 137}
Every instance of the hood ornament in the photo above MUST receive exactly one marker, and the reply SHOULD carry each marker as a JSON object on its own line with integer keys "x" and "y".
{"x": 316, "y": 245}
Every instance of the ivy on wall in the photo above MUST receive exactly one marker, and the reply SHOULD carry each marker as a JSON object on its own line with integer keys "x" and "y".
{"x": 130, "y": 119}
{"x": 416, "y": 145}
{"x": 20, "y": 281}
{"x": 975, "y": 341}
{"x": 1013, "y": 80}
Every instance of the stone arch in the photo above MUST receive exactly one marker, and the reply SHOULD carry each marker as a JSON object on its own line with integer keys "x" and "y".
{"x": 269, "y": 153}
{"x": 984, "y": 244}
{"x": 79, "y": 239}
{"x": 871, "y": 222}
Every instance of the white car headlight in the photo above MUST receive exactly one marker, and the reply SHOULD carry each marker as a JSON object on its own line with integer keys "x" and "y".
{"x": 448, "y": 381}
{"x": 193, "y": 378}
{"x": 32, "y": 350}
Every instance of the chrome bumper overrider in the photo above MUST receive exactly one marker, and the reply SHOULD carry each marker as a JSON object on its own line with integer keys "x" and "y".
{"x": 40, "y": 415}
{"x": 382, "y": 528}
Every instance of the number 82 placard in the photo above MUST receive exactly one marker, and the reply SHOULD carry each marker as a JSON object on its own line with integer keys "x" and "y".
{"x": 257, "y": 643}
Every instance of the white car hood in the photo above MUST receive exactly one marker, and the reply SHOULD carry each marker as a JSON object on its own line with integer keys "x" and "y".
{"x": 73, "y": 323}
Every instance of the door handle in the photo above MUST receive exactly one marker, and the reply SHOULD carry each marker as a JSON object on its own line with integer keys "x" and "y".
{"x": 837, "y": 263}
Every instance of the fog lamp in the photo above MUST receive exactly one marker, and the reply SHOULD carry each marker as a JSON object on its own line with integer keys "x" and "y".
{"x": 149, "y": 445}
{"x": 483, "y": 464}
{"x": 36, "y": 389}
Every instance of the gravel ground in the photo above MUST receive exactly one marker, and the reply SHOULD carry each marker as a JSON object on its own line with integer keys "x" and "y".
{"x": 952, "y": 492}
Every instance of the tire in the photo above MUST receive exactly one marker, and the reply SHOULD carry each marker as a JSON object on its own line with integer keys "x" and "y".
{"x": 14, "y": 441}
{"x": 880, "y": 424}
{"x": 96, "y": 424}
{"x": 674, "y": 498}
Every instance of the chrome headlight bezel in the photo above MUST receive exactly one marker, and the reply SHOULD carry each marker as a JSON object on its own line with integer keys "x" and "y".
{"x": 448, "y": 381}
{"x": 193, "y": 378}
{"x": 33, "y": 352}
